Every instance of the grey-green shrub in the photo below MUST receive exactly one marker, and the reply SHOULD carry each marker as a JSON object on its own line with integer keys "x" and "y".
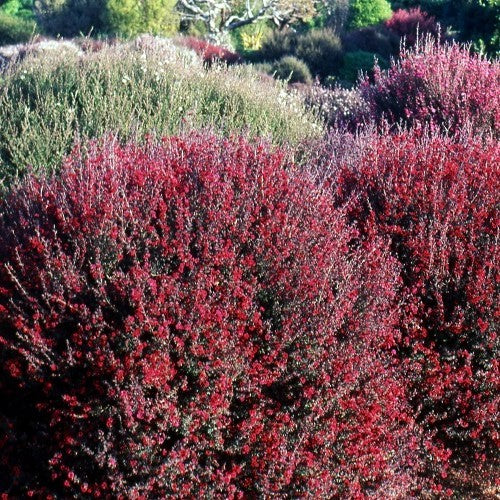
{"x": 292, "y": 70}
{"x": 132, "y": 90}
{"x": 321, "y": 50}
{"x": 278, "y": 44}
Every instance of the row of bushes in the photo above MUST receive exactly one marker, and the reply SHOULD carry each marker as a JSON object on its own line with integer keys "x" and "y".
{"x": 200, "y": 317}
{"x": 203, "y": 316}
{"x": 322, "y": 54}
{"x": 87, "y": 89}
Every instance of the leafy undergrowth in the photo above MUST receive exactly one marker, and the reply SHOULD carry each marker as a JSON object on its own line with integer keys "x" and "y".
{"x": 197, "y": 316}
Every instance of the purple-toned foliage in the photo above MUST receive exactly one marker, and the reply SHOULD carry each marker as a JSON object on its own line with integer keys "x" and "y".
{"x": 443, "y": 87}
{"x": 411, "y": 23}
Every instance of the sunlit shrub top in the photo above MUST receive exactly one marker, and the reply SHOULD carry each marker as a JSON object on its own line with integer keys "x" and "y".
{"x": 444, "y": 87}
{"x": 133, "y": 89}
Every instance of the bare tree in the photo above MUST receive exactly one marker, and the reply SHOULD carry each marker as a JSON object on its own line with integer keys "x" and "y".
{"x": 222, "y": 16}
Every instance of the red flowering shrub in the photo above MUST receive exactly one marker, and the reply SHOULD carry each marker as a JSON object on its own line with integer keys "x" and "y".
{"x": 208, "y": 52}
{"x": 442, "y": 86}
{"x": 436, "y": 200}
{"x": 409, "y": 23}
{"x": 196, "y": 319}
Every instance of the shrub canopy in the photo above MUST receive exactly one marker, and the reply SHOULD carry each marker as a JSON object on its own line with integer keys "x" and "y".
{"x": 196, "y": 318}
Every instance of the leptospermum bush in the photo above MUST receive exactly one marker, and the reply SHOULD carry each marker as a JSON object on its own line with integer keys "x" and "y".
{"x": 436, "y": 200}
{"x": 208, "y": 52}
{"x": 337, "y": 106}
{"x": 412, "y": 22}
{"x": 133, "y": 89}
{"x": 442, "y": 86}
{"x": 194, "y": 318}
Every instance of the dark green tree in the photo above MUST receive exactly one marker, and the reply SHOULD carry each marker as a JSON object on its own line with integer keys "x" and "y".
{"x": 70, "y": 17}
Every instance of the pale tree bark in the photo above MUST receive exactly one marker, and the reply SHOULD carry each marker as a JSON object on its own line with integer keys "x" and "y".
{"x": 222, "y": 16}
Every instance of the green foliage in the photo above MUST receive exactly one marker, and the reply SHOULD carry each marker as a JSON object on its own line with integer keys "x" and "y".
{"x": 321, "y": 50}
{"x": 132, "y": 17}
{"x": 123, "y": 17}
{"x": 479, "y": 21}
{"x": 354, "y": 62}
{"x": 369, "y": 12}
{"x": 278, "y": 44}
{"x": 18, "y": 8}
{"x": 292, "y": 70}
{"x": 45, "y": 103}
{"x": 15, "y": 29}
{"x": 251, "y": 37}
{"x": 70, "y": 18}
{"x": 264, "y": 68}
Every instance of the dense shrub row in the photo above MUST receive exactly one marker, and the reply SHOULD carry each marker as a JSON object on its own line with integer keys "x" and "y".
{"x": 129, "y": 18}
{"x": 436, "y": 201}
{"x": 200, "y": 317}
{"x": 15, "y": 30}
{"x": 196, "y": 318}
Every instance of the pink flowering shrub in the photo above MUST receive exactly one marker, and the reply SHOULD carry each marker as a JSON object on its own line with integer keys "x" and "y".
{"x": 444, "y": 87}
{"x": 208, "y": 52}
{"x": 409, "y": 23}
{"x": 436, "y": 201}
{"x": 195, "y": 318}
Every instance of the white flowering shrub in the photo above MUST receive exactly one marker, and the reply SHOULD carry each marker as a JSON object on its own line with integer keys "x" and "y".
{"x": 336, "y": 106}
